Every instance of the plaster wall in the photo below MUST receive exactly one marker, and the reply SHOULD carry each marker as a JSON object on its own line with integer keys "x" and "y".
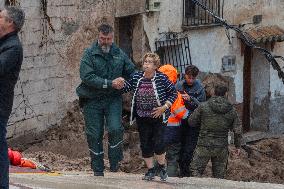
{"x": 209, "y": 45}
{"x": 53, "y": 46}
{"x": 52, "y": 51}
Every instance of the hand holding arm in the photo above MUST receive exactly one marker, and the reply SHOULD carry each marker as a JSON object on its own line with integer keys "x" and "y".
{"x": 118, "y": 83}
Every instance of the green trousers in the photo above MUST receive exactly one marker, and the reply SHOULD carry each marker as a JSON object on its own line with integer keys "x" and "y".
{"x": 218, "y": 157}
{"x": 100, "y": 114}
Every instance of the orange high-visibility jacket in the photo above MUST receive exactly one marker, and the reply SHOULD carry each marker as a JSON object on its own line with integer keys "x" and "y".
{"x": 178, "y": 110}
{"x": 14, "y": 157}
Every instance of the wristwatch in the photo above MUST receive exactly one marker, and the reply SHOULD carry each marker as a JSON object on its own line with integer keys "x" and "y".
{"x": 105, "y": 84}
{"x": 167, "y": 106}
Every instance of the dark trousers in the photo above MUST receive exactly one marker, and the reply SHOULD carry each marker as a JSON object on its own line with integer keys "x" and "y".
{"x": 151, "y": 134}
{"x": 189, "y": 137}
{"x": 99, "y": 114}
{"x": 4, "y": 161}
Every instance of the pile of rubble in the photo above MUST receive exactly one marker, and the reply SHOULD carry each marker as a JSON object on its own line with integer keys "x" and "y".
{"x": 64, "y": 148}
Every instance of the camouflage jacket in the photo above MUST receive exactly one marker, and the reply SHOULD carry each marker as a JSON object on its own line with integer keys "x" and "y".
{"x": 216, "y": 117}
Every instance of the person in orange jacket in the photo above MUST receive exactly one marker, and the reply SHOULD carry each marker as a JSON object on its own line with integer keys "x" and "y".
{"x": 172, "y": 135}
{"x": 16, "y": 159}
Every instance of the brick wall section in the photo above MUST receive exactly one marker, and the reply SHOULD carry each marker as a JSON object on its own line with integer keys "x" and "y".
{"x": 50, "y": 71}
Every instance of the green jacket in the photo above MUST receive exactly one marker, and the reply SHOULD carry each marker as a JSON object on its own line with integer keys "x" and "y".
{"x": 216, "y": 117}
{"x": 97, "y": 68}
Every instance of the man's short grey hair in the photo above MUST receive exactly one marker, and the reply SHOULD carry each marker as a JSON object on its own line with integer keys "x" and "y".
{"x": 105, "y": 29}
{"x": 17, "y": 15}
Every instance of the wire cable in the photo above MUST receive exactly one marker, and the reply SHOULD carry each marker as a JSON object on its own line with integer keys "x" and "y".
{"x": 247, "y": 40}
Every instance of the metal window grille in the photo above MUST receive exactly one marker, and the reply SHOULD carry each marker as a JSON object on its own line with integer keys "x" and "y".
{"x": 195, "y": 16}
{"x": 174, "y": 50}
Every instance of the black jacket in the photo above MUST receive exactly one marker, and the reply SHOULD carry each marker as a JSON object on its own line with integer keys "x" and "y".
{"x": 11, "y": 58}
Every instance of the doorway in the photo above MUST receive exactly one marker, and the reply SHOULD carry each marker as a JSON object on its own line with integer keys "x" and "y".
{"x": 124, "y": 35}
{"x": 256, "y": 91}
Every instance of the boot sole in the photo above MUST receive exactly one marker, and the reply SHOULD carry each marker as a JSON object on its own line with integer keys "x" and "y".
{"x": 148, "y": 179}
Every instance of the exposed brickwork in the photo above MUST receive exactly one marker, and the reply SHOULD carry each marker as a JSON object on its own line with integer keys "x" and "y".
{"x": 50, "y": 71}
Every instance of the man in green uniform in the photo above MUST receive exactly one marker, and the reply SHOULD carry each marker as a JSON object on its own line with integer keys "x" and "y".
{"x": 102, "y": 69}
{"x": 216, "y": 117}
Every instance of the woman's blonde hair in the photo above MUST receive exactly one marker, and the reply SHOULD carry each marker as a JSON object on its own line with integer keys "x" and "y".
{"x": 154, "y": 56}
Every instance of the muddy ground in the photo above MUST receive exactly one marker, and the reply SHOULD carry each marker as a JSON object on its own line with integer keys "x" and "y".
{"x": 64, "y": 147}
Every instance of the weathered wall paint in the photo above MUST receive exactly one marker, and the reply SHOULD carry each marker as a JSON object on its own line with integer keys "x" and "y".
{"x": 209, "y": 45}
{"x": 276, "y": 117}
{"x": 50, "y": 70}
{"x": 260, "y": 95}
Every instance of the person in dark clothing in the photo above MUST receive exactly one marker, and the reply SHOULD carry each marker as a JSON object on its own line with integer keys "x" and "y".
{"x": 103, "y": 67}
{"x": 216, "y": 117}
{"x": 11, "y": 58}
{"x": 153, "y": 97}
{"x": 173, "y": 127}
{"x": 193, "y": 93}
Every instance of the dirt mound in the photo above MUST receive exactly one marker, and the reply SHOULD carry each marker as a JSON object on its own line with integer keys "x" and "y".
{"x": 64, "y": 147}
{"x": 67, "y": 138}
{"x": 262, "y": 161}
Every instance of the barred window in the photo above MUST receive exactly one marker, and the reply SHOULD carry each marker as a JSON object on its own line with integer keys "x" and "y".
{"x": 173, "y": 48}
{"x": 196, "y": 16}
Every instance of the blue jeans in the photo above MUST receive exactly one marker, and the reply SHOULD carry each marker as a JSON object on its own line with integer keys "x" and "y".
{"x": 4, "y": 162}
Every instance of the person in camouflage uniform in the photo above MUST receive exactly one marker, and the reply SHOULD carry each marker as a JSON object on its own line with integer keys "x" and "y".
{"x": 216, "y": 117}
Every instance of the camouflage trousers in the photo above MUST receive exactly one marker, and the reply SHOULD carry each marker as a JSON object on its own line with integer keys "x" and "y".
{"x": 218, "y": 157}
{"x": 172, "y": 156}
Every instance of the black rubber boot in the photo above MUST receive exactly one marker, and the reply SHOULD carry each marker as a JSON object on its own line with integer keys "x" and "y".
{"x": 150, "y": 175}
{"x": 162, "y": 171}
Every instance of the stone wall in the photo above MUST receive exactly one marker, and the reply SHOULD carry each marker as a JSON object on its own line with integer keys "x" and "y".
{"x": 129, "y": 7}
{"x": 54, "y": 36}
{"x": 57, "y": 31}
